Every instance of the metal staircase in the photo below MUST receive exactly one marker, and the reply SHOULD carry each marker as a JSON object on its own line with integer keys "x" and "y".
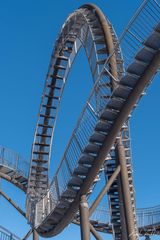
{"x": 148, "y": 220}
{"x": 98, "y": 128}
{"x": 115, "y": 194}
{"x": 13, "y": 168}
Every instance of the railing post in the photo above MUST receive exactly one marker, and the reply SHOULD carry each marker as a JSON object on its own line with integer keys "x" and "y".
{"x": 16, "y": 163}
{"x": 43, "y": 208}
{"x": 84, "y": 218}
{"x": 3, "y": 155}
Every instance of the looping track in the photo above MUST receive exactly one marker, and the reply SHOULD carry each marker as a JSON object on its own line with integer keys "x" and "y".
{"x": 118, "y": 86}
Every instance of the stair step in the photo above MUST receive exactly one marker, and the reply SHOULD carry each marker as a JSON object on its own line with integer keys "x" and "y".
{"x": 60, "y": 211}
{"x": 40, "y": 174}
{"x": 97, "y": 32}
{"x": 122, "y": 91}
{"x": 51, "y": 96}
{"x": 136, "y": 68}
{"x": 42, "y": 144}
{"x": 69, "y": 193}
{"x": 35, "y": 185}
{"x": 40, "y": 168}
{"x": 86, "y": 159}
{"x": 62, "y": 58}
{"x": 102, "y": 50}
{"x": 43, "y": 135}
{"x": 56, "y": 77}
{"x": 49, "y": 107}
{"x": 39, "y": 160}
{"x": 115, "y": 103}
{"x": 145, "y": 55}
{"x": 71, "y": 40}
{"x": 81, "y": 170}
{"x": 75, "y": 181}
{"x": 60, "y": 67}
{"x": 109, "y": 114}
{"x": 53, "y": 87}
{"x": 41, "y": 152}
{"x": 45, "y": 125}
{"x": 63, "y": 204}
{"x": 97, "y": 137}
{"x": 39, "y": 180}
{"x": 68, "y": 49}
{"x": 92, "y": 148}
{"x": 103, "y": 126}
{"x": 47, "y": 116}
{"x": 99, "y": 40}
{"x": 153, "y": 41}
{"x": 101, "y": 62}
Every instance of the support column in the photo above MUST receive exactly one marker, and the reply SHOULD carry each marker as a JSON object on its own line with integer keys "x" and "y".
{"x": 84, "y": 218}
{"x": 122, "y": 212}
{"x": 95, "y": 233}
{"x": 35, "y": 235}
{"x": 126, "y": 192}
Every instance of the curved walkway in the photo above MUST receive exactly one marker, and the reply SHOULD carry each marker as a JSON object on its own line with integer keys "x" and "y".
{"x": 13, "y": 168}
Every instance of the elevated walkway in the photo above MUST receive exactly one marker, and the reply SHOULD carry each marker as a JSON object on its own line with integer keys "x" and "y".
{"x": 13, "y": 168}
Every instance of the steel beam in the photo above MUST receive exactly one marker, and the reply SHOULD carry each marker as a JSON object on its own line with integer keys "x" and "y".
{"x": 95, "y": 233}
{"x": 13, "y": 204}
{"x": 121, "y": 209}
{"x": 84, "y": 218}
{"x": 28, "y": 234}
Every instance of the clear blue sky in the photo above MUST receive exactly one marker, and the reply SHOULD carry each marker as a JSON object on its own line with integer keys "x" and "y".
{"x": 28, "y": 30}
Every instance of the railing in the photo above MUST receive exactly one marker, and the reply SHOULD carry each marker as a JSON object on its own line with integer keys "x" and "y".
{"x": 14, "y": 161}
{"x": 148, "y": 216}
{"x": 138, "y": 30}
{"x": 145, "y": 216}
{"x": 7, "y": 235}
{"x": 131, "y": 41}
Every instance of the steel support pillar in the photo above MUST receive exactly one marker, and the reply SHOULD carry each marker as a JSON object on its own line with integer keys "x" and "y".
{"x": 84, "y": 218}
{"x": 35, "y": 235}
{"x": 131, "y": 231}
{"x": 122, "y": 212}
{"x": 13, "y": 204}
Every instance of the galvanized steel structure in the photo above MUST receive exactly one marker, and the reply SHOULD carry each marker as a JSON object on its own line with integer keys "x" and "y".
{"x": 122, "y": 69}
